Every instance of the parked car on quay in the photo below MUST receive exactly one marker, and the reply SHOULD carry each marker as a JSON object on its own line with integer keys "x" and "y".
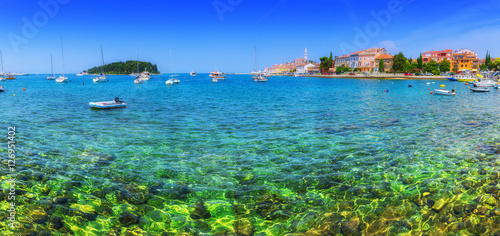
{"x": 418, "y": 74}
{"x": 408, "y": 74}
{"x": 352, "y": 74}
{"x": 429, "y": 74}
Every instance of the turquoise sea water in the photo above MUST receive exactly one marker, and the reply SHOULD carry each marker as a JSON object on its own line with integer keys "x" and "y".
{"x": 294, "y": 155}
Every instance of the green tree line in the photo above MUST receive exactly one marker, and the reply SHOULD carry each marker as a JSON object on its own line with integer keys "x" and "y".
{"x": 125, "y": 68}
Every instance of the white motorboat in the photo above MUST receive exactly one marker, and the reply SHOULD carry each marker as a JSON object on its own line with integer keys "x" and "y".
{"x": 145, "y": 76}
{"x": 107, "y": 105}
{"x": 444, "y": 92}
{"x": 138, "y": 80}
{"x": 62, "y": 79}
{"x": 100, "y": 79}
{"x": 485, "y": 83}
{"x": 193, "y": 73}
{"x": 480, "y": 89}
{"x": 169, "y": 82}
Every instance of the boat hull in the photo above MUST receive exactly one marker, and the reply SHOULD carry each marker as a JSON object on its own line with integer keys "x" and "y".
{"x": 106, "y": 105}
{"x": 480, "y": 90}
{"x": 443, "y": 92}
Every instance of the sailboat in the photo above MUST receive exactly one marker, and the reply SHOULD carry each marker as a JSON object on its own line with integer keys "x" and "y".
{"x": 81, "y": 73}
{"x": 173, "y": 78}
{"x": 102, "y": 76}
{"x": 1, "y": 58}
{"x": 259, "y": 76}
{"x": 51, "y": 77}
{"x": 62, "y": 78}
{"x": 138, "y": 73}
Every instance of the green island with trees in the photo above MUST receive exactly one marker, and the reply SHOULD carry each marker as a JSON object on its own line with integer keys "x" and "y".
{"x": 125, "y": 68}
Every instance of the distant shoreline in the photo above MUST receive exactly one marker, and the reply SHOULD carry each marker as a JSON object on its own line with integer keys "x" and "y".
{"x": 385, "y": 76}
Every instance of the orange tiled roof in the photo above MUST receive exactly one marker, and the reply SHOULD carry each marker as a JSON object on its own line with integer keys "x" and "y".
{"x": 385, "y": 56}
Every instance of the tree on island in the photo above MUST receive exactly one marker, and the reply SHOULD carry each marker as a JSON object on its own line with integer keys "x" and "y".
{"x": 381, "y": 65}
{"x": 445, "y": 66}
{"x": 399, "y": 64}
{"x": 125, "y": 68}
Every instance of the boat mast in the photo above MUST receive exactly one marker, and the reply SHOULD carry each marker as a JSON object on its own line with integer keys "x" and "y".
{"x": 1, "y": 57}
{"x": 102, "y": 56}
{"x": 255, "y": 59}
{"x": 137, "y": 63}
{"x": 51, "y": 65}
{"x": 170, "y": 62}
{"x": 62, "y": 52}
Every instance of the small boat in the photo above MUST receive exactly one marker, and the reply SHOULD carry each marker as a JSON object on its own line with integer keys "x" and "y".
{"x": 480, "y": 90}
{"x": 452, "y": 79}
{"x": 169, "y": 83}
{"x": 62, "y": 79}
{"x": 193, "y": 73}
{"x": 2, "y": 89}
{"x": 260, "y": 78}
{"x": 101, "y": 78}
{"x": 485, "y": 83}
{"x": 138, "y": 80}
{"x": 10, "y": 77}
{"x": 444, "y": 92}
{"x": 145, "y": 76}
{"x": 108, "y": 105}
{"x": 218, "y": 75}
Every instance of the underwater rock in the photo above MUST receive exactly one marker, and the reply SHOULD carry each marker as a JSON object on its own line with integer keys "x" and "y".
{"x": 202, "y": 226}
{"x": 200, "y": 211}
{"x": 240, "y": 209}
{"x": 439, "y": 204}
{"x": 243, "y": 227}
{"x": 56, "y": 222}
{"x": 491, "y": 189}
{"x": 128, "y": 218}
{"x": 488, "y": 199}
{"x": 132, "y": 198}
{"x": 351, "y": 227}
{"x": 458, "y": 210}
{"x": 60, "y": 200}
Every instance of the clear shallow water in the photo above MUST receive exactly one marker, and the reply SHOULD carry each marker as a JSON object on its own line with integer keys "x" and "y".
{"x": 292, "y": 155}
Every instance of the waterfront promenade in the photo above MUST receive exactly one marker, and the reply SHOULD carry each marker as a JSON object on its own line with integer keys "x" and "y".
{"x": 378, "y": 76}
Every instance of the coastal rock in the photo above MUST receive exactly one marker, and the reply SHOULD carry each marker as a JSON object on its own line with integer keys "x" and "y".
{"x": 200, "y": 211}
{"x": 128, "y": 219}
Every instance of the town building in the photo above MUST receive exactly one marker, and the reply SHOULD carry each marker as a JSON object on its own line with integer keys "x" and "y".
{"x": 388, "y": 60}
{"x": 465, "y": 59}
{"x": 343, "y": 61}
{"x": 437, "y": 56}
{"x": 367, "y": 57}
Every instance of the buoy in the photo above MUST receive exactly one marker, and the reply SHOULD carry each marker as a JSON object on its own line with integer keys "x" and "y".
{"x": 466, "y": 83}
{"x": 468, "y": 87}
{"x": 442, "y": 85}
{"x": 14, "y": 94}
{"x": 24, "y": 89}
{"x": 432, "y": 92}
{"x": 409, "y": 86}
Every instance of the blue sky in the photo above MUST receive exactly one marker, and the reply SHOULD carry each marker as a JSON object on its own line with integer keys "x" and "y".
{"x": 203, "y": 37}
